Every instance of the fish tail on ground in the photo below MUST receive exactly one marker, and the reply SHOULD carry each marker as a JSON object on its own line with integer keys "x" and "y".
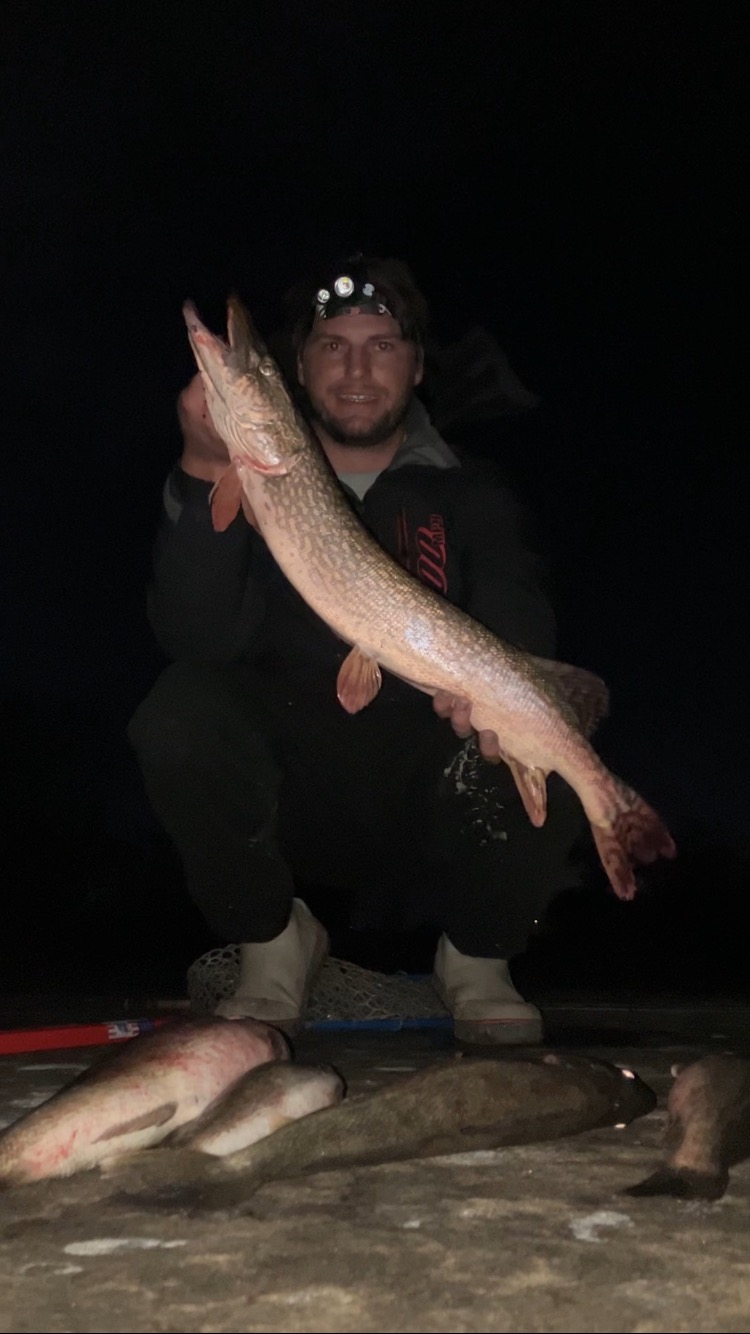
{"x": 683, "y": 1183}
{"x": 629, "y": 833}
{"x": 157, "y": 1168}
{"x": 230, "y": 1198}
{"x": 180, "y": 1180}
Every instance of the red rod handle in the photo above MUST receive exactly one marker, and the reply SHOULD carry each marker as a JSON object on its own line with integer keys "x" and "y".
{"x": 74, "y": 1035}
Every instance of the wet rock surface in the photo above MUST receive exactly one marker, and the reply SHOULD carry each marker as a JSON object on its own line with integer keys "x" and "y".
{"x": 536, "y": 1238}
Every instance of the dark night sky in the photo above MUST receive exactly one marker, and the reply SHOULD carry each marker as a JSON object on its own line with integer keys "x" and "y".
{"x": 567, "y": 175}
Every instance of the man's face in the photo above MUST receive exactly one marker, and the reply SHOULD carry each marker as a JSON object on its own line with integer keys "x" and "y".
{"x": 359, "y": 373}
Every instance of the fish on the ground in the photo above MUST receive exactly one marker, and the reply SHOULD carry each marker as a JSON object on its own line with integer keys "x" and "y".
{"x": 542, "y": 711}
{"x": 708, "y": 1129}
{"x": 260, "y": 1103}
{"x": 450, "y": 1107}
{"x": 135, "y": 1096}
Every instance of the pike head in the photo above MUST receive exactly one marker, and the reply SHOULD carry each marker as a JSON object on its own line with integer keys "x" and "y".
{"x": 246, "y": 396}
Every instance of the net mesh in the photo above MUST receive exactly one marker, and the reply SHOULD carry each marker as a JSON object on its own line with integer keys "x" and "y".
{"x": 343, "y": 991}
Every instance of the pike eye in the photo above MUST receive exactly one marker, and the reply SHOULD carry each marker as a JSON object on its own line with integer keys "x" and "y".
{"x": 266, "y": 366}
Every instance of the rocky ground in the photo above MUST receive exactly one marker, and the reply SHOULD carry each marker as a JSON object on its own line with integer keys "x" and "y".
{"x": 536, "y": 1238}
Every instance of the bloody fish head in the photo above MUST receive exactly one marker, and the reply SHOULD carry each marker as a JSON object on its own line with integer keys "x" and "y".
{"x": 245, "y": 393}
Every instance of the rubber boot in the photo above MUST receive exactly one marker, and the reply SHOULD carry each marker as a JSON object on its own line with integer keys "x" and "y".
{"x": 276, "y": 976}
{"x": 485, "y": 1006}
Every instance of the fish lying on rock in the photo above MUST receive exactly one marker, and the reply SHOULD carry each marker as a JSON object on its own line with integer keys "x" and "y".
{"x": 449, "y": 1107}
{"x": 708, "y": 1129}
{"x": 135, "y": 1096}
{"x": 260, "y": 1103}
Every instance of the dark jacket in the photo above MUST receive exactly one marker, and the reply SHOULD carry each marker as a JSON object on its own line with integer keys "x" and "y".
{"x": 221, "y": 597}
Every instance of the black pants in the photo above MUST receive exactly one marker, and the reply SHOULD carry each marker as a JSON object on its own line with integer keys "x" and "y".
{"x": 259, "y": 787}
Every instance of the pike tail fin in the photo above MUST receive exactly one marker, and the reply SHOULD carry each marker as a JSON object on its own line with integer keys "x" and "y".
{"x": 181, "y": 1180}
{"x": 630, "y": 833}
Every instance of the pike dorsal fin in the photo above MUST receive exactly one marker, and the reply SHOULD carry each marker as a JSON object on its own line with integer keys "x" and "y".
{"x": 585, "y": 693}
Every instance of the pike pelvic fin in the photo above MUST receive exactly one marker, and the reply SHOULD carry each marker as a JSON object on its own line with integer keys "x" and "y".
{"x": 532, "y": 788}
{"x": 359, "y": 681}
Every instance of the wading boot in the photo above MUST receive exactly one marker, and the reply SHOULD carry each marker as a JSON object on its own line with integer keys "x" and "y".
{"x": 485, "y": 1006}
{"x": 276, "y": 977}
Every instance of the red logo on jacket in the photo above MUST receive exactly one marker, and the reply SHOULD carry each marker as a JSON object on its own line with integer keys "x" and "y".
{"x": 425, "y": 554}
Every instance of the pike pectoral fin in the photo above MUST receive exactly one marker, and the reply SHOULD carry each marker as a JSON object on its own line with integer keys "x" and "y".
{"x": 359, "y": 681}
{"x": 155, "y": 1116}
{"x": 225, "y": 500}
{"x": 532, "y": 788}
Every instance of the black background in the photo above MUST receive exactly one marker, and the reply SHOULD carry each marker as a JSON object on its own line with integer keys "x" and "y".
{"x": 570, "y": 177}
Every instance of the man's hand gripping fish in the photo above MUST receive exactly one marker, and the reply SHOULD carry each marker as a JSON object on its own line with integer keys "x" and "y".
{"x": 541, "y": 711}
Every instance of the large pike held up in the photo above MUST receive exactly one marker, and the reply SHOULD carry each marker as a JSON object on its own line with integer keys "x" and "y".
{"x": 542, "y": 711}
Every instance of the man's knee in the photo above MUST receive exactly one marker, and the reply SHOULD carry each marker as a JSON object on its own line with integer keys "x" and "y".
{"x": 192, "y": 709}
{"x": 163, "y": 721}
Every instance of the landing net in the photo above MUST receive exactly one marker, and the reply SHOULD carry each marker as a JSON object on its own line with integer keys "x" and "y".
{"x": 344, "y": 992}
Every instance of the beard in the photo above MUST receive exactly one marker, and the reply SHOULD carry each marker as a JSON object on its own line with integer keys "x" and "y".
{"x": 361, "y": 437}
